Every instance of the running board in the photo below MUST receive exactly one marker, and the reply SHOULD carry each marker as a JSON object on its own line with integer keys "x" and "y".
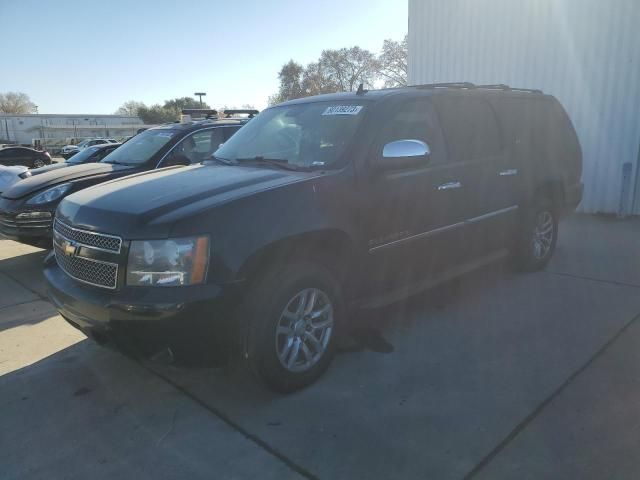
{"x": 410, "y": 290}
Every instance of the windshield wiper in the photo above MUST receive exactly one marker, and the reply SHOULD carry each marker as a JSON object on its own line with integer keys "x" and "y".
{"x": 276, "y": 162}
{"x": 115, "y": 162}
{"x": 223, "y": 161}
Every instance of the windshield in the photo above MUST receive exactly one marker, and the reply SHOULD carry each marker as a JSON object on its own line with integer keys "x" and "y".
{"x": 83, "y": 156}
{"x": 83, "y": 143}
{"x": 309, "y": 135}
{"x": 140, "y": 148}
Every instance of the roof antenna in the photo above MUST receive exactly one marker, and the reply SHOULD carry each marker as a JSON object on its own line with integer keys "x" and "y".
{"x": 361, "y": 90}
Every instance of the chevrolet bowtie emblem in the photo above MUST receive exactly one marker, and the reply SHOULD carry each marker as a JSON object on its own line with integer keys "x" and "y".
{"x": 69, "y": 249}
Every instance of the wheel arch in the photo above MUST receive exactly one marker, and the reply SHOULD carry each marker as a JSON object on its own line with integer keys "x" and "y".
{"x": 333, "y": 247}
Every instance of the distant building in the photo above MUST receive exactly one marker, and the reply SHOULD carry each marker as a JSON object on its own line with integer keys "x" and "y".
{"x": 585, "y": 52}
{"x": 53, "y": 131}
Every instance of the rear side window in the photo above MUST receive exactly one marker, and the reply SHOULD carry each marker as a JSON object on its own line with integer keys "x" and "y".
{"x": 470, "y": 128}
{"x": 415, "y": 119}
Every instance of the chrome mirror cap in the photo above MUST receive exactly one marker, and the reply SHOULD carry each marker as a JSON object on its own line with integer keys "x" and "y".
{"x": 406, "y": 148}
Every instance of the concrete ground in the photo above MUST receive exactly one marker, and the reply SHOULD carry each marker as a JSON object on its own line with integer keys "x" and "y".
{"x": 496, "y": 376}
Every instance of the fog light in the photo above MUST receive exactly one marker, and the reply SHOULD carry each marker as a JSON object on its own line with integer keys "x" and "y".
{"x": 33, "y": 215}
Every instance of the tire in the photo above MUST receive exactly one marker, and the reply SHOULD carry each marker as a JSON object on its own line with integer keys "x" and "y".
{"x": 37, "y": 163}
{"x": 537, "y": 236}
{"x": 279, "y": 347}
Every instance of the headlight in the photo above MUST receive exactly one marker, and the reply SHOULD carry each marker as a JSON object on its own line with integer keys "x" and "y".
{"x": 168, "y": 263}
{"x": 49, "y": 195}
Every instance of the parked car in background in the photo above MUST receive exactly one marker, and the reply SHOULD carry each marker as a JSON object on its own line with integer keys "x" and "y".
{"x": 27, "y": 208}
{"x": 316, "y": 206}
{"x": 88, "y": 155}
{"x": 10, "y": 175}
{"x": 24, "y": 156}
{"x": 70, "y": 150}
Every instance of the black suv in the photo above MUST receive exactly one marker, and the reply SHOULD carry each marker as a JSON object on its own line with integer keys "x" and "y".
{"x": 317, "y": 206}
{"x": 27, "y": 208}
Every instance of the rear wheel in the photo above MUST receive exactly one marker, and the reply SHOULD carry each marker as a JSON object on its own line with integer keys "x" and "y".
{"x": 38, "y": 162}
{"x": 537, "y": 237}
{"x": 293, "y": 316}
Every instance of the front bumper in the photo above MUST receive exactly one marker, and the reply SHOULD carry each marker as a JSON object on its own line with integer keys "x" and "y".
{"x": 17, "y": 228}
{"x": 196, "y": 320}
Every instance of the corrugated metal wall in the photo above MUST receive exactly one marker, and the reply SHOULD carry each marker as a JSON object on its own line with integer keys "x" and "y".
{"x": 585, "y": 52}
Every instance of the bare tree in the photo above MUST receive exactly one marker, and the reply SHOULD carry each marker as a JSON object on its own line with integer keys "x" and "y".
{"x": 348, "y": 67}
{"x": 130, "y": 108}
{"x": 392, "y": 63}
{"x": 16, "y": 102}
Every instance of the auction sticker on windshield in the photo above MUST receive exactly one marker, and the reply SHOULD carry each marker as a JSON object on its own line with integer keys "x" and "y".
{"x": 343, "y": 110}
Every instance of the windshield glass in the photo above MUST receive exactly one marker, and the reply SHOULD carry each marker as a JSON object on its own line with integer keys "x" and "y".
{"x": 83, "y": 156}
{"x": 83, "y": 143}
{"x": 140, "y": 148}
{"x": 309, "y": 135}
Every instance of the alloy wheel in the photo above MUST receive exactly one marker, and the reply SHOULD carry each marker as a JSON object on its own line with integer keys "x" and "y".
{"x": 304, "y": 330}
{"x": 543, "y": 233}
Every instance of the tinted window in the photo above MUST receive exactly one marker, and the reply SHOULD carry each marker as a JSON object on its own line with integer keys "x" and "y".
{"x": 229, "y": 132}
{"x": 196, "y": 148}
{"x": 308, "y": 135}
{"x": 469, "y": 126}
{"x": 141, "y": 148}
{"x": 84, "y": 156}
{"x": 414, "y": 120}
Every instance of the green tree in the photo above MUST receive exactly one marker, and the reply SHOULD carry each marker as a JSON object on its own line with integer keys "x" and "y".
{"x": 176, "y": 105}
{"x": 290, "y": 77}
{"x": 156, "y": 114}
{"x": 16, "y": 102}
{"x": 392, "y": 63}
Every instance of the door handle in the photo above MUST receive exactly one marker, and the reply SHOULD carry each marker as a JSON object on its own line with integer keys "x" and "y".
{"x": 450, "y": 186}
{"x": 509, "y": 172}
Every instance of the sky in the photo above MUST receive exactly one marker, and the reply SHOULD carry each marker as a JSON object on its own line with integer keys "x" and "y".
{"x": 81, "y": 56}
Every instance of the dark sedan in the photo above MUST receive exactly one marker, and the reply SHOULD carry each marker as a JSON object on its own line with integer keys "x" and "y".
{"x": 88, "y": 155}
{"x": 27, "y": 208}
{"x": 25, "y": 156}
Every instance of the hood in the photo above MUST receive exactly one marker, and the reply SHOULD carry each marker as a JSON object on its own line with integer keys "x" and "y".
{"x": 49, "y": 168}
{"x": 60, "y": 175}
{"x": 146, "y": 205}
{"x": 9, "y": 176}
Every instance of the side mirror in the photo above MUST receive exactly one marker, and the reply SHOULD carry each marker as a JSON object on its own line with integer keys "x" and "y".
{"x": 404, "y": 154}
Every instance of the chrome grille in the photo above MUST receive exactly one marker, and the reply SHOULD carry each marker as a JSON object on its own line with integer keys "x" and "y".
{"x": 93, "y": 272}
{"x": 8, "y": 221}
{"x": 12, "y": 221}
{"x": 100, "y": 241}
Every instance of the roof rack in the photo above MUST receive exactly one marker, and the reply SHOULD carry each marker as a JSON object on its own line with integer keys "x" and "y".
{"x": 469, "y": 85}
{"x": 200, "y": 112}
{"x": 502, "y": 86}
{"x": 250, "y": 112}
{"x": 446, "y": 85}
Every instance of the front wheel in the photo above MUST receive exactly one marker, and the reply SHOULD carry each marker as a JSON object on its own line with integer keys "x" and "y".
{"x": 293, "y": 316}
{"x": 537, "y": 237}
{"x": 37, "y": 163}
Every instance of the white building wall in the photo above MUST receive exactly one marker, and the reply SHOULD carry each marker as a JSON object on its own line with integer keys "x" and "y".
{"x": 24, "y": 129}
{"x": 585, "y": 52}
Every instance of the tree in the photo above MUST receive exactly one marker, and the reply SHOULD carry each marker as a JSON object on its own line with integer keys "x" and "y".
{"x": 347, "y": 68}
{"x": 392, "y": 63}
{"x": 340, "y": 70}
{"x": 177, "y": 104}
{"x": 290, "y": 77}
{"x": 16, "y": 102}
{"x": 130, "y": 108}
{"x": 156, "y": 114}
